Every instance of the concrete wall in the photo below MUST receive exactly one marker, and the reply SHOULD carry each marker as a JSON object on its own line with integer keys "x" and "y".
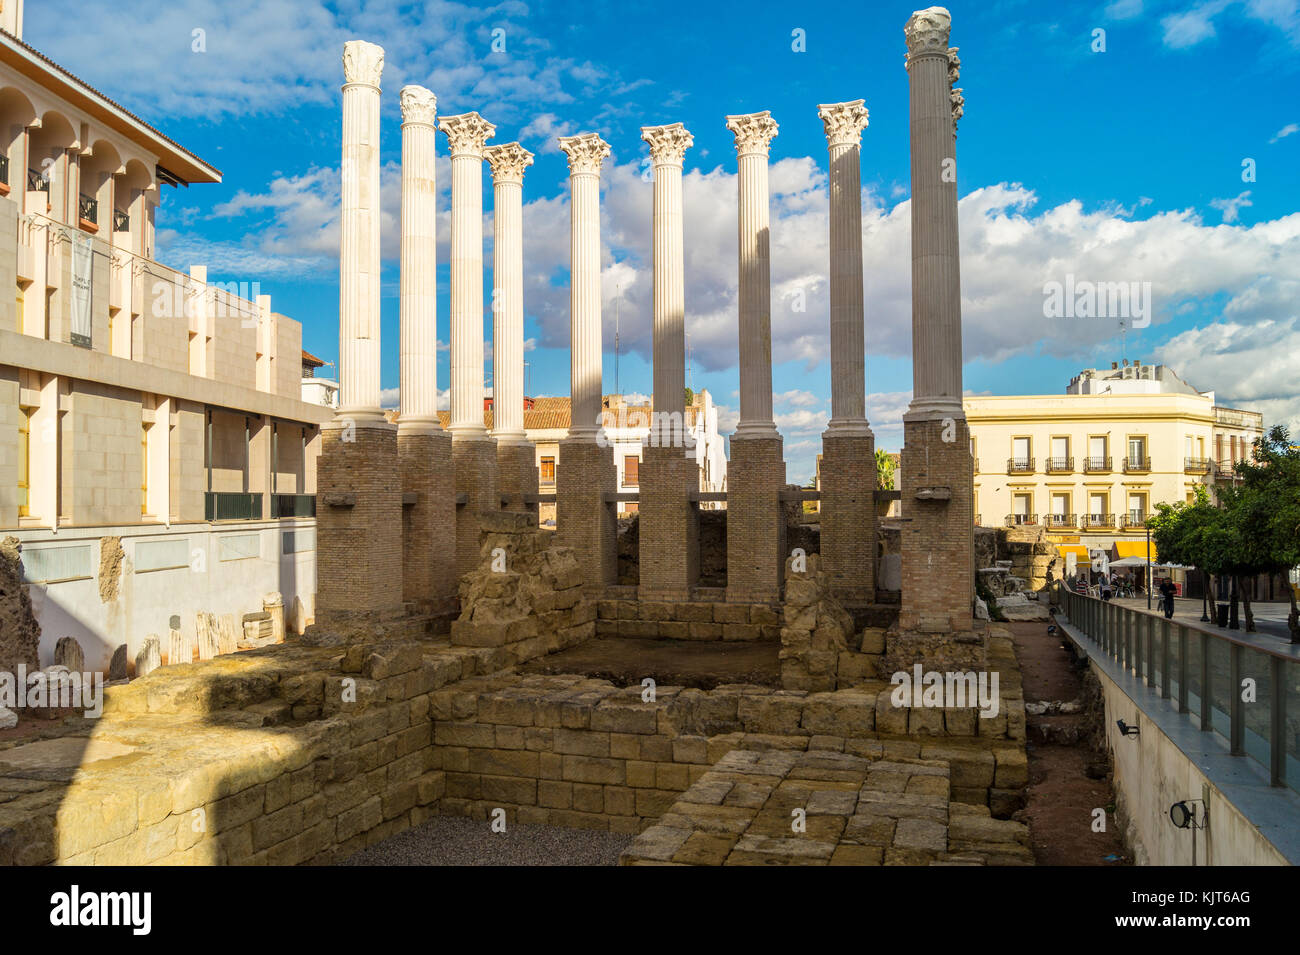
{"x": 165, "y": 572}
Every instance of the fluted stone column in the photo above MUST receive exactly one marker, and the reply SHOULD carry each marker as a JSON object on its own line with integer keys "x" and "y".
{"x": 756, "y": 471}
{"x": 474, "y": 453}
{"x": 423, "y": 447}
{"x": 669, "y": 535}
{"x": 848, "y": 513}
{"x": 935, "y": 619}
{"x": 585, "y": 472}
{"x": 516, "y": 456}
{"x": 359, "y": 492}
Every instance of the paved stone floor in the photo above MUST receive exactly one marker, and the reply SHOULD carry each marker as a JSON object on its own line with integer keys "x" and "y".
{"x": 454, "y": 840}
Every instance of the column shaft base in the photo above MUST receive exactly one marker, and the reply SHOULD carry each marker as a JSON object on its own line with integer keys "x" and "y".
{"x": 755, "y": 521}
{"x": 584, "y": 474}
{"x": 669, "y": 529}
{"x": 517, "y": 476}
{"x": 937, "y": 538}
{"x": 848, "y": 516}
{"x": 428, "y": 524}
{"x": 358, "y": 528}
{"x": 475, "y": 468}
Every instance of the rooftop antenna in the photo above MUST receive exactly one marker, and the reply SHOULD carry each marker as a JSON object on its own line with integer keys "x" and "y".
{"x": 1123, "y": 340}
{"x": 618, "y": 293}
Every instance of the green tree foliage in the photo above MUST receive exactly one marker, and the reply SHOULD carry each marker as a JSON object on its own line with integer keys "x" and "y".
{"x": 884, "y": 470}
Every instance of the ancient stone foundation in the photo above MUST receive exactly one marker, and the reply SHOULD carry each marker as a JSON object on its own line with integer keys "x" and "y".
{"x": 848, "y": 515}
{"x": 359, "y": 512}
{"x": 428, "y": 520}
{"x": 584, "y": 478}
{"x": 475, "y": 466}
{"x": 669, "y": 555}
{"x": 755, "y": 523}
{"x": 517, "y": 479}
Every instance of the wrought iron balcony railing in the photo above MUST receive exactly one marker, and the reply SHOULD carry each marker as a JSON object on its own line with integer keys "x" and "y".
{"x": 1015, "y": 520}
{"x": 1134, "y": 521}
{"x": 1097, "y": 520}
{"x": 36, "y": 181}
{"x": 88, "y": 208}
{"x": 1020, "y": 465}
{"x": 1197, "y": 465}
{"x": 4, "y": 169}
{"x": 1136, "y": 465}
{"x": 1059, "y": 465}
{"x": 1062, "y": 520}
{"x": 121, "y": 221}
{"x": 1096, "y": 465}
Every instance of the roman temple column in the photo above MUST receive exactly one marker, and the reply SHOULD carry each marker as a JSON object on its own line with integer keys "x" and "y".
{"x": 756, "y": 473}
{"x": 516, "y": 456}
{"x": 669, "y": 535}
{"x": 585, "y": 472}
{"x": 423, "y": 447}
{"x": 359, "y": 492}
{"x": 936, "y": 615}
{"x": 848, "y": 474}
{"x": 474, "y": 453}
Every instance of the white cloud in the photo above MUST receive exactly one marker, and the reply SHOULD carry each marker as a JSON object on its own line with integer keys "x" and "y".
{"x": 1251, "y": 365}
{"x": 1124, "y": 9}
{"x": 1290, "y": 129}
{"x": 1231, "y": 208}
{"x": 796, "y": 399}
{"x": 1187, "y": 29}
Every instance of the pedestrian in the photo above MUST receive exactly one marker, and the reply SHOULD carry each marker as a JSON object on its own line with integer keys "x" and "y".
{"x": 1167, "y": 591}
{"x": 1105, "y": 587}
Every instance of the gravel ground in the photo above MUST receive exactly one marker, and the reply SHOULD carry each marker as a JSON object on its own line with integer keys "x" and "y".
{"x": 455, "y": 840}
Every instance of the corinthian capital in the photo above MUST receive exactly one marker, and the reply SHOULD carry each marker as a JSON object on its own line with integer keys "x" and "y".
{"x": 362, "y": 62}
{"x": 927, "y": 32}
{"x": 466, "y": 133}
{"x": 586, "y": 152}
{"x": 508, "y": 162}
{"x": 668, "y": 144}
{"x": 753, "y": 132}
{"x": 844, "y": 122}
{"x": 418, "y": 106}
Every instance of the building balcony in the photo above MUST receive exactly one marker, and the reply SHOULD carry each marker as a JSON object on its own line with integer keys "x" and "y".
{"x": 1137, "y": 465}
{"x": 1197, "y": 465}
{"x": 1059, "y": 465}
{"x": 1016, "y": 520}
{"x": 37, "y": 182}
{"x": 88, "y": 212}
{"x": 1062, "y": 520}
{"x": 4, "y": 175}
{"x": 1020, "y": 465}
{"x": 121, "y": 221}
{"x": 1224, "y": 471}
{"x": 1096, "y": 465}
{"x": 293, "y": 505}
{"x": 1133, "y": 521}
{"x": 233, "y": 506}
{"x": 1097, "y": 522}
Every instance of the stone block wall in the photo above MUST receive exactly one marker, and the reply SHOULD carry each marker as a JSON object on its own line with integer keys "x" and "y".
{"x": 688, "y": 620}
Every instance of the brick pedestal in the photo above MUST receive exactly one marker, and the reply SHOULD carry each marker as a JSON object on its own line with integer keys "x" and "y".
{"x": 935, "y": 620}
{"x": 848, "y": 516}
{"x": 429, "y": 523}
{"x": 755, "y": 524}
{"x": 517, "y": 476}
{"x": 669, "y": 529}
{"x": 358, "y": 526}
{"x": 475, "y": 468}
{"x": 584, "y": 474}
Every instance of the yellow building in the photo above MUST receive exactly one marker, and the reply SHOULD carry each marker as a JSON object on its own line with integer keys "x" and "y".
{"x": 1091, "y": 464}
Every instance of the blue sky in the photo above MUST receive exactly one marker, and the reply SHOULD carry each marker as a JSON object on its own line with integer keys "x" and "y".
{"x": 1117, "y": 165}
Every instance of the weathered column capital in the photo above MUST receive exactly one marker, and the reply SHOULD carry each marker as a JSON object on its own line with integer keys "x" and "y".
{"x": 586, "y": 152}
{"x": 508, "y": 162}
{"x": 753, "y": 131}
{"x": 419, "y": 106}
{"x": 363, "y": 63}
{"x": 843, "y": 122}
{"x": 958, "y": 101}
{"x": 668, "y": 144}
{"x": 927, "y": 33}
{"x": 466, "y": 134}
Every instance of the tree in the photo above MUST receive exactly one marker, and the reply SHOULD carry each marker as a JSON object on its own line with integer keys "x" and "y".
{"x": 1180, "y": 533}
{"x": 1265, "y": 511}
{"x": 884, "y": 470}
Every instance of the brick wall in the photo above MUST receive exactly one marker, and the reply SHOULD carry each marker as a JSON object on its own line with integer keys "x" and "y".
{"x": 755, "y": 522}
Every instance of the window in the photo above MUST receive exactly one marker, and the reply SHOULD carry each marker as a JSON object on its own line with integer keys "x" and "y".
{"x": 1137, "y": 507}
{"x": 631, "y": 471}
{"x": 1020, "y": 450}
{"x": 24, "y": 462}
{"x": 547, "y": 471}
{"x": 1097, "y": 507}
{"x": 1060, "y": 505}
{"x": 1137, "y": 448}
